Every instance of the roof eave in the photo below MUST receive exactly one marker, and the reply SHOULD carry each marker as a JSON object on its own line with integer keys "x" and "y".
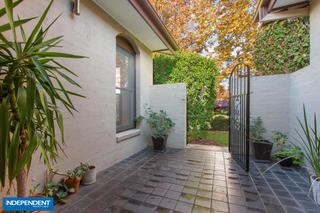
{"x": 262, "y": 3}
{"x": 267, "y": 6}
{"x": 147, "y": 12}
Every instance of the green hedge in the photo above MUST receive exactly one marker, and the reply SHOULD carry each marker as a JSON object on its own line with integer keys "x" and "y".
{"x": 283, "y": 47}
{"x": 199, "y": 74}
{"x": 220, "y": 123}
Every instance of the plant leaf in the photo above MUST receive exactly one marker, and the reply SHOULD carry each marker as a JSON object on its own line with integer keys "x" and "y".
{"x": 7, "y": 27}
{"x": 13, "y": 153}
{"x": 37, "y": 28}
{"x": 3, "y": 10}
{"x": 57, "y": 55}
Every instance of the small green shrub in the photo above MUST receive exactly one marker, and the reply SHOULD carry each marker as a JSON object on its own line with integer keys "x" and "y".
{"x": 220, "y": 123}
{"x": 291, "y": 151}
{"x": 159, "y": 122}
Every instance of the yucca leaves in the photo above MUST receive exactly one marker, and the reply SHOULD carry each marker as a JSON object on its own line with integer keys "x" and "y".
{"x": 310, "y": 141}
{"x": 32, "y": 90}
{"x": 3, "y": 10}
{"x": 38, "y": 26}
{"x": 13, "y": 152}
{"x": 18, "y": 23}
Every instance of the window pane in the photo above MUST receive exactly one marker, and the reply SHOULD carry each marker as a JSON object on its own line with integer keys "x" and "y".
{"x": 125, "y": 87}
{"x": 122, "y": 69}
{"x": 123, "y": 112}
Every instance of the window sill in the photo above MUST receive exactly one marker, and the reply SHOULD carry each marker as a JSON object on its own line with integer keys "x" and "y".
{"x": 122, "y": 136}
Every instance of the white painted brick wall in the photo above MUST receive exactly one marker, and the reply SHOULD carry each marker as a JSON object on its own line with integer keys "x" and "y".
{"x": 172, "y": 98}
{"x": 269, "y": 100}
{"x": 279, "y": 100}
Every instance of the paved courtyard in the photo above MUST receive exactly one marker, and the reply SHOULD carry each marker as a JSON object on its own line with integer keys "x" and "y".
{"x": 196, "y": 179}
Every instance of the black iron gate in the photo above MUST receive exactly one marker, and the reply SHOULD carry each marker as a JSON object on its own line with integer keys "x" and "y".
{"x": 239, "y": 110}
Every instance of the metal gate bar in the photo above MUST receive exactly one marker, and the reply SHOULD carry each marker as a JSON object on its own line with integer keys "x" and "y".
{"x": 239, "y": 112}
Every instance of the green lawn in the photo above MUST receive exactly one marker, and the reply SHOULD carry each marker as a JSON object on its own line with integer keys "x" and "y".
{"x": 208, "y": 137}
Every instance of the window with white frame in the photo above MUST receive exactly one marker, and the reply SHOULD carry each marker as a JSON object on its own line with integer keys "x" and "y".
{"x": 125, "y": 85}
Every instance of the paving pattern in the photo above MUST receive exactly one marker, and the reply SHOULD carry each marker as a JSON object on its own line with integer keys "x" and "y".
{"x": 192, "y": 180}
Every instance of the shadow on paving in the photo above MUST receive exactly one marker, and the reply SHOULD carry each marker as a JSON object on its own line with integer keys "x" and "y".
{"x": 196, "y": 179}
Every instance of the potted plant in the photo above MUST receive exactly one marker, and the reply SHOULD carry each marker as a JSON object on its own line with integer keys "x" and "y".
{"x": 290, "y": 156}
{"x": 82, "y": 169}
{"x": 90, "y": 175}
{"x": 287, "y": 155}
{"x": 160, "y": 125}
{"x": 74, "y": 178}
{"x": 310, "y": 142}
{"x": 262, "y": 147}
{"x": 59, "y": 191}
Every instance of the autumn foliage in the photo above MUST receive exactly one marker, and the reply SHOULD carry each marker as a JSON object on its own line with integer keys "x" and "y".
{"x": 191, "y": 23}
{"x": 224, "y": 30}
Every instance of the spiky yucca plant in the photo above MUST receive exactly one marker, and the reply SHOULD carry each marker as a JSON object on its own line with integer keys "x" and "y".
{"x": 31, "y": 88}
{"x": 310, "y": 142}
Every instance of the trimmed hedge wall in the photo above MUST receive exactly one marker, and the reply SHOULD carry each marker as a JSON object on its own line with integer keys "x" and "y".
{"x": 199, "y": 74}
{"x": 283, "y": 47}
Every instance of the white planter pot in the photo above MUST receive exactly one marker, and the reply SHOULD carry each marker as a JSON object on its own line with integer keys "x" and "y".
{"x": 315, "y": 186}
{"x": 90, "y": 176}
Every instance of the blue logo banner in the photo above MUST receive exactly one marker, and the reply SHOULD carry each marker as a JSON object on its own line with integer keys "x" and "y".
{"x": 27, "y": 204}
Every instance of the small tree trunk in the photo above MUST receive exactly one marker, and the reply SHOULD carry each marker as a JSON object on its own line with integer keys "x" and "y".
{"x": 22, "y": 183}
{"x": 22, "y": 177}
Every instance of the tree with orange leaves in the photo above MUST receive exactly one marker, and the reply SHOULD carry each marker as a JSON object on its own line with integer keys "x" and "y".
{"x": 224, "y": 30}
{"x": 191, "y": 22}
{"x": 235, "y": 33}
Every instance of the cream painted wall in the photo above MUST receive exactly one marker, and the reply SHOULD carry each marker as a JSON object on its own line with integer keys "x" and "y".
{"x": 173, "y": 99}
{"x": 305, "y": 87}
{"x": 279, "y": 100}
{"x": 269, "y": 99}
{"x": 91, "y": 132}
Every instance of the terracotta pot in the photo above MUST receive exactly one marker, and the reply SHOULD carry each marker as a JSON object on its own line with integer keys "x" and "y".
{"x": 90, "y": 176}
{"x": 73, "y": 183}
